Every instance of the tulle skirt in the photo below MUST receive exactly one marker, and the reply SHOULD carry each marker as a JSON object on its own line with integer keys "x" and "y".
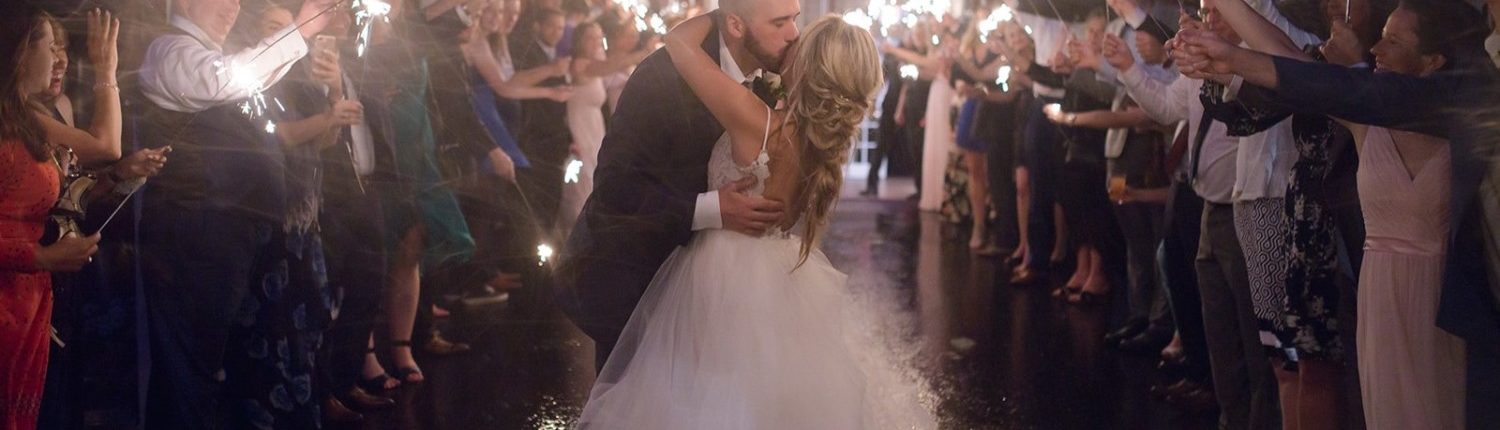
{"x": 729, "y": 336}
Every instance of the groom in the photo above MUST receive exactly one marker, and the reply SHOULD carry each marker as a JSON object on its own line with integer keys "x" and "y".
{"x": 651, "y": 187}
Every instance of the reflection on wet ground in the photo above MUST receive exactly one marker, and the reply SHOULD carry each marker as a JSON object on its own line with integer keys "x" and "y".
{"x": 995, "y": 356}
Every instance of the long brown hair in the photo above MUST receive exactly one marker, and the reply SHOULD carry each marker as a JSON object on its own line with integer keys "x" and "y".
{"x": 838, "y": 71}
{"x": 21, "y": 25}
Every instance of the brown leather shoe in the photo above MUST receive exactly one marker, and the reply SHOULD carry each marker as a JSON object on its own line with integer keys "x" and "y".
{"x": 364, "y": 400}
{"x": 437, "y": 345}
{"x": 335, "y": 411}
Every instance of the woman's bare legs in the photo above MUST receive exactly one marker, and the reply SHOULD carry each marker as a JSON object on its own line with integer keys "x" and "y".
{"x": 401, "y": 299}
{"x": 979, "y": 197}
{"x": 1023, "y": 209}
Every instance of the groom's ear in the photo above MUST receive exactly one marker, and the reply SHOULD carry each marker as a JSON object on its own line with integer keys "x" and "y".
{"x": 734, "y": 25}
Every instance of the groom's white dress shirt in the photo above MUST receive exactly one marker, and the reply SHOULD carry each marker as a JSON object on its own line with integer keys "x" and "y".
{"x": 706, "y": 214}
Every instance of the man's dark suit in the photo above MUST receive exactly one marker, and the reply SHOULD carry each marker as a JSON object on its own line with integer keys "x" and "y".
{"x": 544, "y": 136}
{"x": 652, "y": 166}
{"x": 1458, "y": 104}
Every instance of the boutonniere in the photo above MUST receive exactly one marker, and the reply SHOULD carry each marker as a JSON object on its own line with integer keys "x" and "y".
{"x": 771, "y": 82}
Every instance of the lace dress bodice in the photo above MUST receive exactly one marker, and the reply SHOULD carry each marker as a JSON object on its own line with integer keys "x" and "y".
{"x": 723, "y": 170}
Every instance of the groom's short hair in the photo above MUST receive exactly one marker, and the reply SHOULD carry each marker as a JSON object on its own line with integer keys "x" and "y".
{"x": 737, "y": 7}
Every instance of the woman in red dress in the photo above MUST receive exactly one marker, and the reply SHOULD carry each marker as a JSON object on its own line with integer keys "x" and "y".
{"x": 28, "y": 189}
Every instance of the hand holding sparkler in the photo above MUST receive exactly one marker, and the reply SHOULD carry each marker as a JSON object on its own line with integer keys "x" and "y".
{"x": 140, "y": 164}
{"x": 1342, "y": 47}
{"x": 1117, "y": 54}
{"x": 311, "y": 19}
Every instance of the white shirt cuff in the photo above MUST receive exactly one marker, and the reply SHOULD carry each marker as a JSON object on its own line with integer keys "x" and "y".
{"x": 706, "y": 212}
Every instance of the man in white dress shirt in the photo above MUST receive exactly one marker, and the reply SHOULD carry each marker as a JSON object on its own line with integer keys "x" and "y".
{"x": 208, "y": 216}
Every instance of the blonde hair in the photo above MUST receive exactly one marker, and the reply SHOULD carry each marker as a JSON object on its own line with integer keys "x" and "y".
{"x": 837, "y": 70}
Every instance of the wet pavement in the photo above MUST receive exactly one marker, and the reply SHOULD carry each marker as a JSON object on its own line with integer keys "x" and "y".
{"x": 994, "y": 356}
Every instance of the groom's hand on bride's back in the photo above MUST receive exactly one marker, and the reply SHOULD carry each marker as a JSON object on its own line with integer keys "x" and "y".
{"x": 747, "y": 214}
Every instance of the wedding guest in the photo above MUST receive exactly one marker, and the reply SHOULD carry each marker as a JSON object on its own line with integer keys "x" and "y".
{"x": 1411, "y": 222}
{"x": 96, "y": 189}
{"x": 29, "y": 180}
{"x": 1243, "y": 381}
{"x": 543, "y": 130}
{"x": 211, "y": 237}
{"x": 591, "y": 66}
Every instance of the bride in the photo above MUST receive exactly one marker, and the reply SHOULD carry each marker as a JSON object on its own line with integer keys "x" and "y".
{"x": 740, "y": 332}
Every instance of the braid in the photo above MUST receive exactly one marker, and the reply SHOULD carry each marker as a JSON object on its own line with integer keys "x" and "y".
{"x": 828, "y": 124}
{"x": 838, "y": 72}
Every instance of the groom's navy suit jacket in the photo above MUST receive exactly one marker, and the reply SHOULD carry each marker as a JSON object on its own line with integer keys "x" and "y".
{"x": 652, "y": 166}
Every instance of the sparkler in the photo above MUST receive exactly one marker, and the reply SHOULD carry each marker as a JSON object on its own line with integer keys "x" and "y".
{"x": 909, "y": 71}
{"x": 270, "y": 127}
{"x": 543, "y": 253}
{"x": 859, "y": 18}
{"x": 575, "y": 168}
{"x": 365, "y": 13}
{"x": 992, "y": 22}
{"x": 241, "y": 78}
{"x": 1004, "y": 79}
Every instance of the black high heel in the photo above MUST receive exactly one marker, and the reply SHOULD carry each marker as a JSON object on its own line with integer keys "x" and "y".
{"x": 404, "y": 373}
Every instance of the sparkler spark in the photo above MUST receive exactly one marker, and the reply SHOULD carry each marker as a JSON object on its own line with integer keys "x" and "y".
{"x": 365, "y": 13}
{"x": 909, "y": 71}
{"x": 992, "y": 22}
{"x": 575, "y": 167}
{"x": 859, "y": 18}
{"x": 543, "y": 253}
{"x": 241, "y": 78}
{"x": 1004, "y": 79}
{"x": 270, "y": 127}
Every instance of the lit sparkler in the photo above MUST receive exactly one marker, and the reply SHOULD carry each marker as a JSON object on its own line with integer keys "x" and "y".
{"x": 992, "y": 22}
{"x": 859, "y": 18}
{"x": 241, "y": 78}
{"x": 1004, "y": 79}
{"x": 365, "y": 13}
{"x": 543, "y": 253}
{"x": 909, "y": 71}
{"x": 575, "y": 168}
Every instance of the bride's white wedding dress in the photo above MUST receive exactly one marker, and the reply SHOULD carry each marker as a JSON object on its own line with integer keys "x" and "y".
{"x": 729, "y": 336}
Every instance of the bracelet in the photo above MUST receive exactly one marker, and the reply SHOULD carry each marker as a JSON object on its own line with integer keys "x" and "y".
{"x": 109, "y": 85}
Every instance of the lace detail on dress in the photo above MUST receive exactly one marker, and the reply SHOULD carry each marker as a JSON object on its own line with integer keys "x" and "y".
{"x": 723, "y": 170}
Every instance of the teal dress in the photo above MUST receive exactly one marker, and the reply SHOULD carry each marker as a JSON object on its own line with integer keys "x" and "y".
{"x": 422, "y": 199}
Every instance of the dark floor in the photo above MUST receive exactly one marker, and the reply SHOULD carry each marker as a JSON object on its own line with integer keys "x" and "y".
{"x": 996, "y": 356}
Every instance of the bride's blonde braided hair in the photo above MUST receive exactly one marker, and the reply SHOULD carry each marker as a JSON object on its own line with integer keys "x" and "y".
{"x": 837, "y": 71}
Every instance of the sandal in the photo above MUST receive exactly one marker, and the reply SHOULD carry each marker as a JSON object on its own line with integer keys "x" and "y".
{"x": 378, "y": 383}
{"x": 405, "y": 373}
{"x": 1086, "y": 298}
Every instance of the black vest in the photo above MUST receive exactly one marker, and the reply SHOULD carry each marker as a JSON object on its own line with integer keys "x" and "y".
{"x": 222, "y": 159}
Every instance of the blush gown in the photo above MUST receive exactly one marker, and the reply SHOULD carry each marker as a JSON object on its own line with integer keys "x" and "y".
{"x": 1411, "y": 372}
{"x": 28, "y": 190}
{"x": 730, "y": 336}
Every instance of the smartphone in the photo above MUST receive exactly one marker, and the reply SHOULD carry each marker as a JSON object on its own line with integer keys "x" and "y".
{"x": 325, "y": 46}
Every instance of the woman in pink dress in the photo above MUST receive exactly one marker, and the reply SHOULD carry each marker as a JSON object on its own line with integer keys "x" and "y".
{"x": 1411, "y": 372}
{"x": 29, "y": 175}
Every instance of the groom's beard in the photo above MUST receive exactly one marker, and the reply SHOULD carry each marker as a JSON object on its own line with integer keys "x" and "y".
{"x": 771, "y": 61}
